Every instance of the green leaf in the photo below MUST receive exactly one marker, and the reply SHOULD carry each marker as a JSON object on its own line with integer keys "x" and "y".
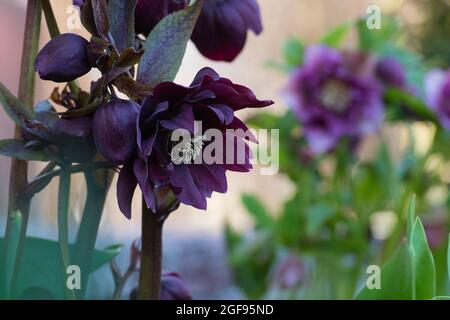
{"x": 335, "y": 37}
{"x": 448, "y": 257}
{"x": 401, "y": 99}
{"x": 40, "y": 266}
{"x": 15, "y": 109}
{"x": 121, "y": 19}
{"x": 15, "y": 148}
{"x": 374, "y": 39}
{"x": 410, "y": 274}
{"x": 316, "y": 217}
{"x": 396, "y": 277}
{"x": 424, "y": 274}
{"x": 166, "y": 45}
{"x": 10, "y": 256}
{"x": 441, "y": 298}
{"x": 293, "y": 52}
{"x": 411, "y": 216}
{"x": 258, "y": 211}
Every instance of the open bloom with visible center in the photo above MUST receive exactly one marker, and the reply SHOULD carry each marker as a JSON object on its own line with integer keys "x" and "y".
{"x": 221, "y": 29}
{"x": 332, "y": 100}
{"x": 437, "y": 90}
{"x": 210, "y": 101}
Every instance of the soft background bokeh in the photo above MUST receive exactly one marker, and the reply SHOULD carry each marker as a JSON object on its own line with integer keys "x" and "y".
{"x": 193, "y": 239}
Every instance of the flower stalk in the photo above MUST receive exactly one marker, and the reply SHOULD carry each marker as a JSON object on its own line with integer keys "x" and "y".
{"x": 63, "y": 224}
{"x": 19, "y": 168}
{"x": 151, "y": 255}
{"x": 98, "y": 182}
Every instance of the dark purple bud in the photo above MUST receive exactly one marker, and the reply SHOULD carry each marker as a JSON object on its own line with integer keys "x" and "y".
{"x": 173, "y": 287}
{"x": 221, "y": 30}
{"x": 290, "y": 274}
{"x": 79, "y": 3}
{"x": 149, "y": 13}
{"x": 115, "y": 129}
{"x": 390, "y": 72}
{"x": 63, "y": 59}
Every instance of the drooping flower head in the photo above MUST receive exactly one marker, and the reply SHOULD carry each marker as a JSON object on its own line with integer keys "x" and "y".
{"x": 437, "y": 90}
{"x": 114, "y": 128}
{"x": 221, "y": 29}
{"x": 149, "y": 13}
{"x": 163, "y": 160}
{"x": 332, "y": 100}
{"x": 391, "y": 72}
{"x": 63, "y": 59}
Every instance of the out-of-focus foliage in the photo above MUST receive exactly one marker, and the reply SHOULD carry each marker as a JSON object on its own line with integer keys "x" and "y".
{"x": 430, "y": 36}
{"x": 347, "y": 211}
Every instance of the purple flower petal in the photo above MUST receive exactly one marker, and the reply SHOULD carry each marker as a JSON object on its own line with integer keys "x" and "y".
{"x": 126, "y": 185}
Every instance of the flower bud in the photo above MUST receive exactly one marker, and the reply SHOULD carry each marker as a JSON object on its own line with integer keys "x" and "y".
{"x": 173, "y": 287}
{"x": 63, "y": 59}
{"x": 391, "y": 72}
{"x": 114, "y": 129}
{"x": 221, "y": 30}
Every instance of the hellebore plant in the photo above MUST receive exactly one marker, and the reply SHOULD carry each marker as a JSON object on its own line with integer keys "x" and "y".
{"x": 319, "y": 245}
{"x": 98, "y": 133}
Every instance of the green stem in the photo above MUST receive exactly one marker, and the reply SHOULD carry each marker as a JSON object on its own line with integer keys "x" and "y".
{"x": 19, "y": 168}
{"x": 98, "y": 183}
{"x": 63, "y": 225}
{"x": 151, "y": 255}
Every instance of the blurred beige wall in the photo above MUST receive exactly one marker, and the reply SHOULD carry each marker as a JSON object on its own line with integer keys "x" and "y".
{"x": 306, "y": 19}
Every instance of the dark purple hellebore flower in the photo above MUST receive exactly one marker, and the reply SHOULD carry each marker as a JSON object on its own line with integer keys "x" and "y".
{"x": 149, "y": 13}
{"x": 114, "y": 129}
{"x": 173, "y": 287}
{"x": 332, "y": 100}
{"x": 221, "y": 29}
{"x": 390, "y": 72}
{"x": 211, "y": 100}
{"x": 437, "y": 90}
{"x": 63, "y": 59}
